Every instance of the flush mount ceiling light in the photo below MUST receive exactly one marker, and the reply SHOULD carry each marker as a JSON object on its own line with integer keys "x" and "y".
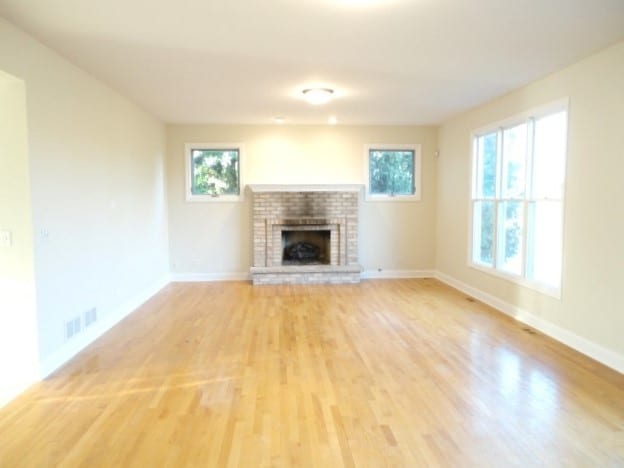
{"x": 316, "y": 96}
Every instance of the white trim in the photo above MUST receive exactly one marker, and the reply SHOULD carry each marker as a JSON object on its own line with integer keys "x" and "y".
{"x": 240, "y": 147}
{"x": 389, "y": 274}
{"x": 259, "y": 188}
{"x": 70, "y": 348}
{"x": 209, "y": 277}
{"x": 241, "y": 276}
{"x": 519, "y": 280}
{"x": 595, "y": 351}
{"x": 417, "y": 195}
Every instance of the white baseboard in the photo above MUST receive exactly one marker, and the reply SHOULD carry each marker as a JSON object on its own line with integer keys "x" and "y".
{"x": 601, "y": 354}
{"x": 243, "y": 276}
{"x": 90, "y": 334}
{"x": 8, "y": 394}
{"x": 396, "y": 274}
{"x": 240, "y": 276}
{"x": 200, "y": 277}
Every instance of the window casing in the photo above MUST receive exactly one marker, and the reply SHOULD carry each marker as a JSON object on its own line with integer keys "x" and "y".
{"x": 213, "y": 172}
{"x": 392, "y": 172}
{"x": 518, "y": 178}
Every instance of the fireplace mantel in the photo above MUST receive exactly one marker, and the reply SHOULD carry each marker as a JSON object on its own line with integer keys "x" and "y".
{"x": 263, "y": 188}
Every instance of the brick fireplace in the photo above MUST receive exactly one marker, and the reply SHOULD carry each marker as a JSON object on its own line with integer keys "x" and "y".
{"x": 305, "y": 234}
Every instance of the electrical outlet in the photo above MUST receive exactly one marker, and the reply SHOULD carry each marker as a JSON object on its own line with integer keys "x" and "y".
{"x": 5, "y": 238}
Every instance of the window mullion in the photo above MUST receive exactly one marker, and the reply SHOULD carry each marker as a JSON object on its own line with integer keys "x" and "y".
{"x": 497, "y": 196}
{"x": 528, "y": 177}
{"x": 498, "y": 193}
{"x": 525, "y": 219}
{"x": 529, "y": 160}
{"x": 475, "y": 169}
{"x": 495, "y": 235}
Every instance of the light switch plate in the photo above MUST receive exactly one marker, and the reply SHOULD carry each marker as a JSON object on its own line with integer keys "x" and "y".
{"x": 5, "y": 239}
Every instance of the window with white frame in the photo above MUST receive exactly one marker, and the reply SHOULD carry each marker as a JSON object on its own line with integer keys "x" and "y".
{"x": 213, "y": 172}
{"x": 392, "y": 172}
{"x": 518, "y": 181}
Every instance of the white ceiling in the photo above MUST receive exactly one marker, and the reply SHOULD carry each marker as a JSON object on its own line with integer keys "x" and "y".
{"x": 390, "y": 61}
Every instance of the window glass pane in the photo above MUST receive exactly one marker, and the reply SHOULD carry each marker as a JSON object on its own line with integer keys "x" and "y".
{"x": 215, "y": 172}
{"x": 486, "y": 166}
{"x": 391, "y": 172}
{"x": 509, "y": 253}
{"x": 549, "y": 156}
{"x": 544, "y": 234}
{"x": 514, "y": 161}
{"x": 483, "y": 232}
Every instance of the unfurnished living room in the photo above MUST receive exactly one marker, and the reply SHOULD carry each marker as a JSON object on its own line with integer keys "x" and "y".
{"x": 324, "y": 233}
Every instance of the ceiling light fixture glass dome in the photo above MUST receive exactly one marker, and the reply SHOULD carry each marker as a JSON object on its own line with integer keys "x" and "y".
{"x": 318, "y": 96}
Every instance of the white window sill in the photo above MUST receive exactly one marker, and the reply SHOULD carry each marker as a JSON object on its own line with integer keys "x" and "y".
{"x": 211, "y": 199}
{"x": 391, "y": 198}
{"x": 533, "y": 285}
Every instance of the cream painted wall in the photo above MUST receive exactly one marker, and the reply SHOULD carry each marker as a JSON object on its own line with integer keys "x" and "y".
{"x": 593, "y": 274}
{"x": 215, "y": 238}
{"x": 98, "y": 194}
{"x": 19, "y": 363}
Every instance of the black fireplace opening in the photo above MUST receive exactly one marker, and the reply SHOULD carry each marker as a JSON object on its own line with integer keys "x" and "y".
{"x": 305, "y": 247}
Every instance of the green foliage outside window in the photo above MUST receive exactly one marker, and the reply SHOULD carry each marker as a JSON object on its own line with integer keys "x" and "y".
{"x": 512, "y": 213}
{"x": 215, "y": 172}
{"x": 513, "y": 229}
{"x": 489, "y": 165}
{"x": 391, "y": 172}
{"x": 487, "y": 232}
{"x": 489, "y": 190}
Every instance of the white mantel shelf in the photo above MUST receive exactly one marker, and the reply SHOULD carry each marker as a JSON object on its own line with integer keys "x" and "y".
{"x": 259, "y": 188}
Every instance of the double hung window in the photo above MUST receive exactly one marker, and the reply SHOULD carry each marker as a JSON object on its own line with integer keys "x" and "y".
{"x": 518, "y": 181}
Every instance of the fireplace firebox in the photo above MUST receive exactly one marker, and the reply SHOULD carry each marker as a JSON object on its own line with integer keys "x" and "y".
{"x": 303, "y": 247}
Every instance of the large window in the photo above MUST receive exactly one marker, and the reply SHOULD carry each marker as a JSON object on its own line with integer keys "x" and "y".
{"x": 392, "y": 172}
{"x": 517, "y": 198}
{"x": 213, "y": 172}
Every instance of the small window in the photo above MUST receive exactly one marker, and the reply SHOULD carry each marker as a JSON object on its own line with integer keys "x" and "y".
{"x": 213, "y": 172}
{"x": 517, "y": 198}
{"x": 393, "y": 172}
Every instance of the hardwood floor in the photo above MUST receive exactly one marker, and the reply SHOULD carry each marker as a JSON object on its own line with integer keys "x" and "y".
{"x": 384, "y": 373}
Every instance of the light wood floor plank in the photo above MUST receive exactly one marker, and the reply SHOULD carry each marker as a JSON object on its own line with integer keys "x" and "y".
{"x": 384, "y": 373}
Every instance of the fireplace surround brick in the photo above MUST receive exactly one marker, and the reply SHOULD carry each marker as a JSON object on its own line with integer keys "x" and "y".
{"x": 314, "y": 207}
